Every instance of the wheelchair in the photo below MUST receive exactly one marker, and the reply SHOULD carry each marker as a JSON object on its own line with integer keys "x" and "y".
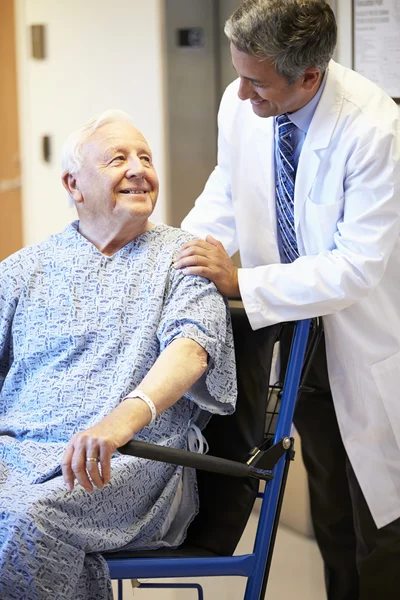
{"x": 247, "y": 447}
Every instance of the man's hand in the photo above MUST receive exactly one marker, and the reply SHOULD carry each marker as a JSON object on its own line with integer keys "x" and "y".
{"x": 87, "y": 457}
{"x": 209, "y": 259}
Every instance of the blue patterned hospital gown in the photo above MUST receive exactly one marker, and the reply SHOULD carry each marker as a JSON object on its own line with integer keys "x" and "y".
{"x": 78, "y": 331}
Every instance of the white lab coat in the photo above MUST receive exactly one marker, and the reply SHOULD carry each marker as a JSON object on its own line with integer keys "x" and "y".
{"x": 347, "y": 218}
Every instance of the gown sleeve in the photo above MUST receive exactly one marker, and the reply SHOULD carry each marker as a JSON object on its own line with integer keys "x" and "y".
{"x": 11, "y": 280}
{"x": 194, "y": 309}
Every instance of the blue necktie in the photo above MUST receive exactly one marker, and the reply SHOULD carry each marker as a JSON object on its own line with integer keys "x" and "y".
{"x": 285, "y": 178}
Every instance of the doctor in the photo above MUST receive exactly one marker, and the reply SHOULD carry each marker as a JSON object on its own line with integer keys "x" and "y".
{"x": 307, "y": 187}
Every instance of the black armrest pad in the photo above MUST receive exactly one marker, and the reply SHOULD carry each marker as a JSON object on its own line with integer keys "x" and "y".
{"x": 192, "y": 459}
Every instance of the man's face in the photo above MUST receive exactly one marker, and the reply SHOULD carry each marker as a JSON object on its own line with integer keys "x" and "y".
{"x": 117, "y": 179}
{"x": 269, "y": 94}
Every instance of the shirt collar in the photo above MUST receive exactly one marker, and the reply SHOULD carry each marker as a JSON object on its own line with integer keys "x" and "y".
{"x": 303, "y": 117}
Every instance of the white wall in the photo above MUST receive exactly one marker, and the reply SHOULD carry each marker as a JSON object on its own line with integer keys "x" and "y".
{"x": 343, "y": 10}
{"x": 100, "y": 55}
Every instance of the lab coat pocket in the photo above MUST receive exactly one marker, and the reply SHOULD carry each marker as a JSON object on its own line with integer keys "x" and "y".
{"x": 320, "y": 223}
{"x": 386, "y": 375}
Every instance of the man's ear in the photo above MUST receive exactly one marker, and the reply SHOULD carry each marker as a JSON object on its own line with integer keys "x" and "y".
{"x": 311, "y": 78}
{"x": 70, "y": 183}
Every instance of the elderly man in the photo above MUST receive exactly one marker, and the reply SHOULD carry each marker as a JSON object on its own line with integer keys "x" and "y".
{"x": 307, "y": 187}
{"x": 101, "y": 340}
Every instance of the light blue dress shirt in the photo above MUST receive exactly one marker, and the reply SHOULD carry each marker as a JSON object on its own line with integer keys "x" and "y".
{"x": 302, "y": 119}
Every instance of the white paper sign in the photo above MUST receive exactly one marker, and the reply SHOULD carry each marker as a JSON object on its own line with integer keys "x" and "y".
{"x": 377, "y": 42}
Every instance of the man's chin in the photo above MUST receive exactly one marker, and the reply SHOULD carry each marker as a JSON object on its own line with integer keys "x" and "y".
{"x": 137, "y": 201}
{"x": 263, "y": 110}
{"x": 143, "y": 208}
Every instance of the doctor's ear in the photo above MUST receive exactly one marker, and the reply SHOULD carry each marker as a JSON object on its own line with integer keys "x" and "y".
{"x": 311, "y": 78}
{"x": 70, "y": 183}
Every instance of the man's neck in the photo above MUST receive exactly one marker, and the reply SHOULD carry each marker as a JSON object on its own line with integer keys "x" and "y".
{"x": 108, "y": 239}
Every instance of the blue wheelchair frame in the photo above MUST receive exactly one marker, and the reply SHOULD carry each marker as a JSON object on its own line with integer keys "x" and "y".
{"x": 254, "y": 566}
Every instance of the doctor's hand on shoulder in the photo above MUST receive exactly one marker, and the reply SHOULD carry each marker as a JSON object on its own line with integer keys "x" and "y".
{"x": 209, "y": 259}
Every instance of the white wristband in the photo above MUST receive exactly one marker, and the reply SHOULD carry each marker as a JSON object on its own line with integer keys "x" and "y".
{"x": 139, "y": 394}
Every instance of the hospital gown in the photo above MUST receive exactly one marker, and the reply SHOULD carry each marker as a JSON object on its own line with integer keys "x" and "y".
{"x": 78, "y": 331}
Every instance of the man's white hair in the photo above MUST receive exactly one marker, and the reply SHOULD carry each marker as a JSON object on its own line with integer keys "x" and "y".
{"x": 72, "y": 154}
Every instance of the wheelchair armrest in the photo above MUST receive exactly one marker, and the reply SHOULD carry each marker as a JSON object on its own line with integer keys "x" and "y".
{"x": 185, "y": 458}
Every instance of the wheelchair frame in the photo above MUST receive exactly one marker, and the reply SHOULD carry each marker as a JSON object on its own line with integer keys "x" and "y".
{"x": 271, "y": 465}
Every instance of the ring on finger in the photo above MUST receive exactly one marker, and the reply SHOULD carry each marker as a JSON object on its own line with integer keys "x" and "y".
{"x": 92, "y": 459}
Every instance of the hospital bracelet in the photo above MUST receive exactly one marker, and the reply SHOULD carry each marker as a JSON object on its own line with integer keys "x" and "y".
{"x": 139, "y": 394}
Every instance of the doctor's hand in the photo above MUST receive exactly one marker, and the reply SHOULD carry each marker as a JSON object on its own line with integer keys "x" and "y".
{"x": 209, "y": 259}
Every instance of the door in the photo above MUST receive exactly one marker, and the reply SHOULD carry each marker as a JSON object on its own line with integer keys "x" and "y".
{"x": 198, "y": 68}
{"x": 10, "y": 196}
{"x": 191, "y": 90}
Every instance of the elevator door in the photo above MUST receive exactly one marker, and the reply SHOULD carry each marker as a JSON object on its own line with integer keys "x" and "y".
{"x": 195, "y": 79}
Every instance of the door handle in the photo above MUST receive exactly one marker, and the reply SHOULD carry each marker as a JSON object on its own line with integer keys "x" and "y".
{"x": 10, "y": 184}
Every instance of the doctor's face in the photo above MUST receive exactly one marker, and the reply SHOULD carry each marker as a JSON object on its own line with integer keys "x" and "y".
{"x": 270, "y": 95}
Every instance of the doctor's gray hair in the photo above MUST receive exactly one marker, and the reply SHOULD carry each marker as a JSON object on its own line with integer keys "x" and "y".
{"x": 72, "y": 154}
{"x": 293, "y": 34}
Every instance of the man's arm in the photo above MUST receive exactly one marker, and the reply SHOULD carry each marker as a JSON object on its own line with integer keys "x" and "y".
{"x": 5, "y": 342}
{"x": 177, "y": 368}
{"x": 11, "y": 283}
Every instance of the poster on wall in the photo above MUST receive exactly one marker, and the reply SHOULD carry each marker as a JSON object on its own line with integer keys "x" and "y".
{"x": 376, "y": 43}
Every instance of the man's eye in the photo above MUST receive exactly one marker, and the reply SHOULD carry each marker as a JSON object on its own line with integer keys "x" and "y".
{"x": 118, "y": 158}
{"x": 146, "y": 159}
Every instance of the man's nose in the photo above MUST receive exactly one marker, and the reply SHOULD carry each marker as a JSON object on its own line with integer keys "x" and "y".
{"x": 245, "y": 90}
{"x": 135, "y": 167}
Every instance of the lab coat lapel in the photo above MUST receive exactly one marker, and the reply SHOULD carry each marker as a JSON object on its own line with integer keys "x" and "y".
{"x": 318, "y": 137}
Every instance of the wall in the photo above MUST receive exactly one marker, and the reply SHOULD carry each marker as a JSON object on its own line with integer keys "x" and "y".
{"x": 343, "y": 11}
{"x": 99, "y": 55}
{"x": 10, "y": 194}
